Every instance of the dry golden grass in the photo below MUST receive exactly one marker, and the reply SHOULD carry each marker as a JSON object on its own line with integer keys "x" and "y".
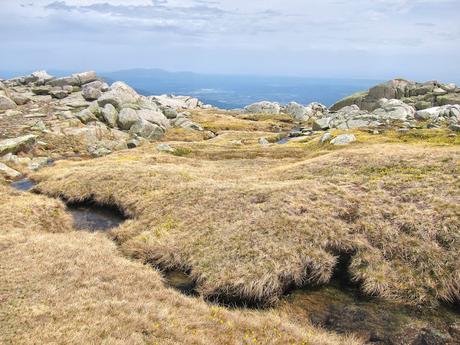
{"x": 249, "y": 225}
{"x": 65, "y": 287}
{"x": 217, "y": 121}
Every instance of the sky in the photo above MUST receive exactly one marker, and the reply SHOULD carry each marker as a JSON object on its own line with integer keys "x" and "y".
{"x": 378, "y": 39}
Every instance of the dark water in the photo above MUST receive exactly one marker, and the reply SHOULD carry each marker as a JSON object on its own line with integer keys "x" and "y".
{"x": 93, "y": 217}
{"x": 180, "y": 281}
{"x": 24, "y": 184}
{"x": 87, "y": 216}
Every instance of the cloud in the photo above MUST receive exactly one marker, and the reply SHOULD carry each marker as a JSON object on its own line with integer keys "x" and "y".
{"x": 289, "y": 36}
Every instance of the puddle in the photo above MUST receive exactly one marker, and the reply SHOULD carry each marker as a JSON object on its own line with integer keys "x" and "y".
{"x": 23, "y": 185}
{"x": 87, "y": 216}
{"x": 283, "y": 141}
{"x": 180, "y": 281}
{"x": 92, "y": 217}
{"x": 376, "y": 321}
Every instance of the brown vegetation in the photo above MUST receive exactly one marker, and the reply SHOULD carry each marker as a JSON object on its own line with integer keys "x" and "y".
{"x": 65, "y": 287}
{"x": 250, "y": 228}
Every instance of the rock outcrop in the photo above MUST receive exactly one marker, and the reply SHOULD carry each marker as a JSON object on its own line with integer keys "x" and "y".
{"x": 263, "y": 107}
{"x": 418, "y": 95}
{"x": 83, "y": 101}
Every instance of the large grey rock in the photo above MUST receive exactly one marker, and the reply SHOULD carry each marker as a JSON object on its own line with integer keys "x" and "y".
{"x": 41, "y": 90}
{"x": 321, "y": 124}
{"x": 41, "y": 77}
{"x": 85, "y": 77}
{"x": 90, "y": 93}
{"x": 325, "y": 137}
{"x": 298, "y": 111}
{"x": 127, "y": 118}
{"x": 186, "y": 123}
{"x": 10, "y": 173}
{"x": 155, "y": 117}
{"x": 7, "y": 103}
{"x": 119, "y": 94}
{"x": 38, "y": 163}
{"x": 343, "y": 139}
{"x": 169, "y": 112}
{"x": 59, "y": 93}
{"x": 177, "y": 102}
{"x": 439, "y": 113}
{"x": 18, "y": 144}
{"x": 393, "y": 89}
{"x": 99, "y": 85}
{"x": 147, "y": 130}
{"x": 264, "y": 107}
{"x": 60, "y": 82}
{"x": 86, "y": 116}
{"x": 394, "y": 109}
{"x": 451, "y": 87}
{"x": 20, "y": 98}
{"x": 110, "y": 115}
{"x": 165, "y": 148}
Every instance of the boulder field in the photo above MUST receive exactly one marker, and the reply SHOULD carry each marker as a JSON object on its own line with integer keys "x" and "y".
{"x": 86, "y": 115}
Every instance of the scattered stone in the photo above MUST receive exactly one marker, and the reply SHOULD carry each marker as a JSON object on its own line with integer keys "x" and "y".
{"x": 165, "y": 148}
{"x": 41, "y": 77}
{"x": 264, "y": 107}
{"x": 154, "y": 116}
{"x": 20, "y": 98}
{"x": 34, "y": 116}
{"x": 38, "y": 163}
{"x": 85, "y": 77}
{"x": 394, "y": 109}
{"x": 86, "y": 116}
{"x": 147, "y": 130}
{"x": 133, "y": 143}
{"x": 18, "y": 144}
{"x": 41, "y": 90}
{"x": 90, "y": 93}
{"x": 119, "y": 94}
{"x": 97, "y": 150}
{"x": 110, "y": 115}
{"x": 186, "y": 123}
{"x": 127, "y": 118}
{"x": 264, "y": 142}
{"x": 58, "y": 93}
{"x": 169, "y": 112}
{"x": 321, "y": 124}
{"x": 10, "y": 173}
{"x": 176, "y": 102}
{"x": 7, "y": 103}
{"x": 343, "y": 139}
{"x": 60, "y": 82}
{"x": 39, "y": 126}
{"x": 325, "y": 137}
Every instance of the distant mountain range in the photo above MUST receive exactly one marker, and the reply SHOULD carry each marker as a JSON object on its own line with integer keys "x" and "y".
{"x": 233, "y": 91}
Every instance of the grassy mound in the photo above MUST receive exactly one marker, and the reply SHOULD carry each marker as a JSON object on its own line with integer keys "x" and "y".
{"x": 251, "y": 221}
{"x": 75, "y": 288}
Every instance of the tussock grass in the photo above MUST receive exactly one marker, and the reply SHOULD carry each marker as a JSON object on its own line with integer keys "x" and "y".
{"x": 248, "y": 222}
{"x": 66, "y": 287}
{"x": 217, "y": 121}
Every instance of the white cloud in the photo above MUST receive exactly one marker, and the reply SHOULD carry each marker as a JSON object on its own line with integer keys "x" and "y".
{"x": 300, "y": 31}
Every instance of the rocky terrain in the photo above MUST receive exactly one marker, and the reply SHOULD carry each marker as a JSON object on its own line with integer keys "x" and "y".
{"x": 281, "y": 224}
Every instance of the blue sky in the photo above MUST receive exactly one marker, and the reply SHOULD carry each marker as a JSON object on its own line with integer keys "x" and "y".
{"x": 379, "y": 39}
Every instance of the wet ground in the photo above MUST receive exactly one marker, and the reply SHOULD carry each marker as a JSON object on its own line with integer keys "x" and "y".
{"x": 338, "y": 306}
{"x": 87, "y": 216}
{"x": 24, "y": 184}
{"x": 93, "y": 217}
